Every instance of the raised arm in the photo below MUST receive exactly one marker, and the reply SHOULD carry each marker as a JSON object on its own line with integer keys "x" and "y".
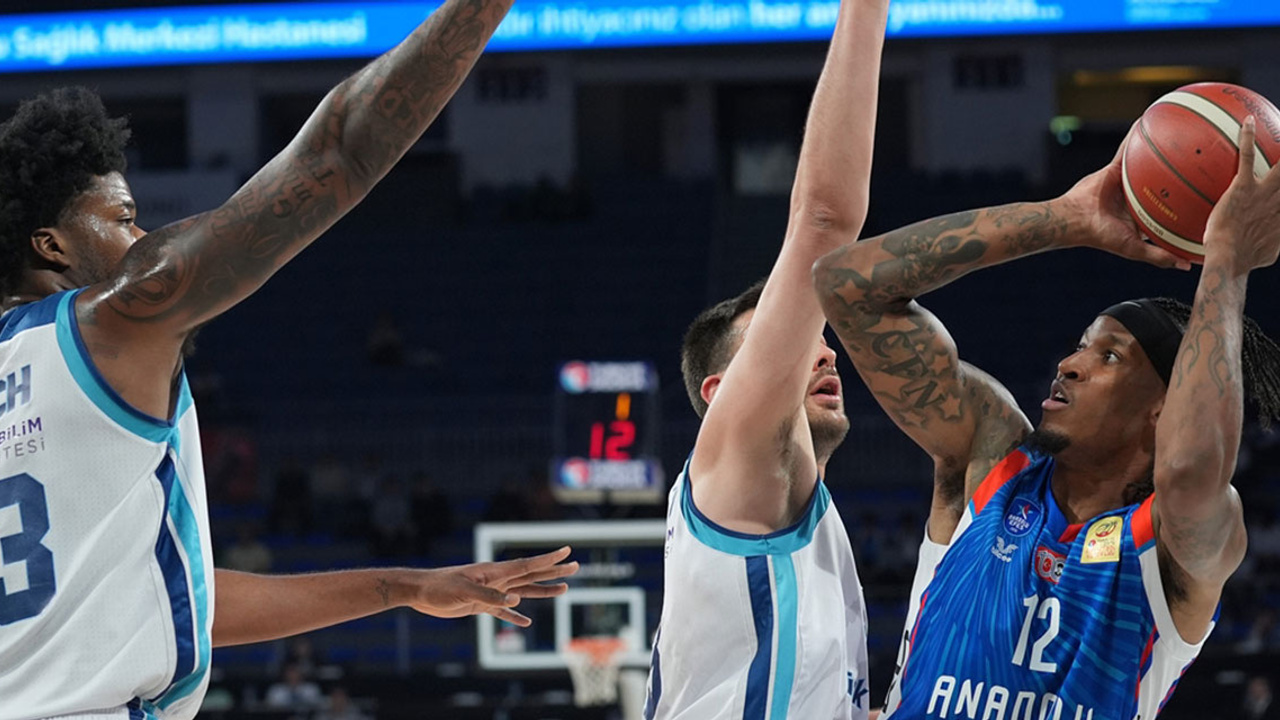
{"x": 1198, "y": 517}
{"x": 181, "y": 276}
{"x": 754, "y": 461}
{"x": 961, "y": 416}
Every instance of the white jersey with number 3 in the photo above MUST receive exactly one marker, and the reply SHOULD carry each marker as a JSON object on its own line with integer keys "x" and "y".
{"x": 758, "y": 627}
{"x": 106, "y": 570}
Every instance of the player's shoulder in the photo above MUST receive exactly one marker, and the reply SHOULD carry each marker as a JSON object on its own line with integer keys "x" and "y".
{"x": 31, "y": 315}
{"x": 1010, "y": 474}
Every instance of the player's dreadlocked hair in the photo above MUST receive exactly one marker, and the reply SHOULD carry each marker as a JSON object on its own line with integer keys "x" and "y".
{"x": 707, "y": 342}
{"x": 1259, "y": 360}
{"x": 50, "y": 151}
{"x": 1260, "y": 363}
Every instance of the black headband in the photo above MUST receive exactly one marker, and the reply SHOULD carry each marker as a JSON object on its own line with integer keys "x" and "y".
{"x": 1154, "y": 330}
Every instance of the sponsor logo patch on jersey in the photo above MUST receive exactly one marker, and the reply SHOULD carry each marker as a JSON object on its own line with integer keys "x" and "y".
{"x": 1049, "y": 564}
{"x": 1102, "y": 541}
{"x": 1003, "y": 551}
{"x": 1022, "y": 516}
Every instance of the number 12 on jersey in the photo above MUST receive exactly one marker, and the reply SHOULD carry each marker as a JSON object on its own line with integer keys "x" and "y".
{"x": 1047, "y": 609}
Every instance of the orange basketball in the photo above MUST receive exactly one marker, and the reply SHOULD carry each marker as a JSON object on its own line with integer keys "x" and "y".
{"x": 1183, "y": 155}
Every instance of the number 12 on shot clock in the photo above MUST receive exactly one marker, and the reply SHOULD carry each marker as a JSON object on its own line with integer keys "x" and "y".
{"x": 614, "y": 440}
{"x": 606, "y": 416}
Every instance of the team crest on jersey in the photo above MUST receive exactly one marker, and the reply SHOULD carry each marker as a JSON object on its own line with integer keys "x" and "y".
{"x": 1022, "y": 516}
{"x": 1049, "y": 564}
{"x": 1102, "y": 541}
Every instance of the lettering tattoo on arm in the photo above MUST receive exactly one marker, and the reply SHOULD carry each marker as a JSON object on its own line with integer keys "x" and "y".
{"x": 904, "y": 353}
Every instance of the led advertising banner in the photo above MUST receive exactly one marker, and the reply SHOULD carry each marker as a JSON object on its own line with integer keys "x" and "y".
{"x": 309, "y": 31}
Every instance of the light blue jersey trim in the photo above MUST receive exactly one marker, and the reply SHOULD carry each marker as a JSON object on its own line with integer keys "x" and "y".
{"x": 96, "y": 388}
{"x": 782, "y": 542}
{"x": 188, "y": 528}
{"x": 784, "y": 581}
{"x": 185, "y": 402}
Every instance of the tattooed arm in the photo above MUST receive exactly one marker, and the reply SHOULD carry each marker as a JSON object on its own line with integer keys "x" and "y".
{"x": 1198, "y": 517}
{"x": 754, "y": 466}
{"x": 961, "y": 416}
{"x": 253, "y": 608}
{"x": 181, "y": 276}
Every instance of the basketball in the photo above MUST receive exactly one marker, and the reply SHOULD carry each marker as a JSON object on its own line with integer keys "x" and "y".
{"x": 1183, "y": 155}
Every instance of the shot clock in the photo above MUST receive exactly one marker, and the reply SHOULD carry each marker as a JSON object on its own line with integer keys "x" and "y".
{"x": 606, "y": 433}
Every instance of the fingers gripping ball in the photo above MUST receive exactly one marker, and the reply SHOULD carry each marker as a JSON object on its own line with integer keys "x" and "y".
{"x": 1182, "y": 155}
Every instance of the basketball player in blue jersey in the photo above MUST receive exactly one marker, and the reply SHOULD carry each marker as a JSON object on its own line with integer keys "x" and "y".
{"x": 108, "y": 600}
{"x": 1086, "y": 564}
{"x": 762, "y": 611}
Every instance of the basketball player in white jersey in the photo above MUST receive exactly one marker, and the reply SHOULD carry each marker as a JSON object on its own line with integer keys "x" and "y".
{"x": 762, "y": 611}
{"x": 108, "y": 607}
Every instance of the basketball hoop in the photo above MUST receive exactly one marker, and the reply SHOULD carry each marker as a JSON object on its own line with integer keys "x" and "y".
{"x": 593, "y": 664}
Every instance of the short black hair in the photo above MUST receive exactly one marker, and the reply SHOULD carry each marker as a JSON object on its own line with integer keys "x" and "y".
{"x": 707, "y": 347}
{"x": 50, "y": 152}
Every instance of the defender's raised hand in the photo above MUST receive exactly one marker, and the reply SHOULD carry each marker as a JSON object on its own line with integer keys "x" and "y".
{"x": 1246, "y": 221}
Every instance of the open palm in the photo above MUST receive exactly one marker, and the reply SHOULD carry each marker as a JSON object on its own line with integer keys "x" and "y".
{"x": 493, "y": 588}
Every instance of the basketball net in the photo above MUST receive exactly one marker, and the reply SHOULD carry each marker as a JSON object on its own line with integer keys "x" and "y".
{"x": 593, "y": 664}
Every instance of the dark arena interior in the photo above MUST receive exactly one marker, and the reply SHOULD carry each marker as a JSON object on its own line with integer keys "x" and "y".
{"x": 440, "y": 361}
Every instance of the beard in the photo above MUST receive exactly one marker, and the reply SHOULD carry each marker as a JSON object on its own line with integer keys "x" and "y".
{"x": 1049, "y": 442}
{"x": 828, "y": 433}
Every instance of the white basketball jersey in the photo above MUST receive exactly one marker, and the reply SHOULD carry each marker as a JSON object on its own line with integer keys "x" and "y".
{"x": 758, "y": 627}
{"x": 926, "y": 563}
{"x": 106, "y": 569}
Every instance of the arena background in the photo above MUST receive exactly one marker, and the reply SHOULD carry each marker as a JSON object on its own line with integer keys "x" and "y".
{"x": 397, "y": 384}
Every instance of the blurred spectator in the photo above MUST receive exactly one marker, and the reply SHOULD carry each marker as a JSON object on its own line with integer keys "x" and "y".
{"x": 432, "y": 513}
{"x": 365, "y": 481}
{"x": 340, "y": 707}
{"x": 1263, "y": 635}
{"x": 870, "y": 544}
{"x": 392, "y": 521}
{"x": 508, "y": 504}
{"x": 231, "y": 464}
{"x": 1259, "y": 703}
{"x": 300, "y": 653}
{"x": 331, "y": 494}
{"x": 291, "y": 500}
{"x": 294, "y": 692}
{"x": 536, "y": 497}
{"x": 248, "y": 554}
{"x": 901, "y": 551}
{"x": 542, "y": 502}
{"x": 1264, "y": 542}
{"x": 367, "y": 478}
{"x": 386, "y": 342}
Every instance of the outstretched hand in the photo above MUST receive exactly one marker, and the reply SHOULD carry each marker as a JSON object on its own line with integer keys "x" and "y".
{"x": 1246, "y": 221}
{"x": 1105, "y": 223}
{"x": 491, "y": 587}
